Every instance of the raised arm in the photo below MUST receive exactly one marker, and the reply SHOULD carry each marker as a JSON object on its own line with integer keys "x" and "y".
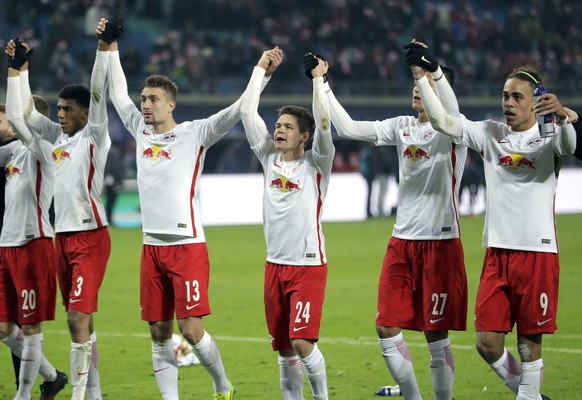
{"x": 418, "y": 54}
{"x": 224, "y": 120}
{"x": 25, "y": 93}
{"x": 108, "y": 31}
{"x": 14, "y": 109}
{"x": 97, "y": 120}
{"x": 118, "y": 92}
{"x": 39, "y": 122}
{"x": 322, "y": 141}
{"x": 254, "y": 126}
{"x": 344, "y": 124}
{"x": 18, "y": 54}
{"x": 576, "y": 122}
{"x": 98, "y": 105}
{"x": 578, "y": 128}
{"x": 445, "y": 92}
{"x": 565, "y": 141}
{"x": 439, "y": 118}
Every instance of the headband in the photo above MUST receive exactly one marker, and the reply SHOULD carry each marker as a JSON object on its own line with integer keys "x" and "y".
{"x": 530, "y": 76}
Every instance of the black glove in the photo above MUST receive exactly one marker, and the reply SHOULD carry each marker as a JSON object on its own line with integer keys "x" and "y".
{"x": 21, "y": 56}
{"x": 113, "y": 29}
{"x": 310, "y": 63}
{"x": 418, "y": 55}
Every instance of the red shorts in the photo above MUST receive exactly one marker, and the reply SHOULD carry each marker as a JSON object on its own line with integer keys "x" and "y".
{"x": 174, "y": 278}
{"x": 423, "y": 286}
{"x": 81, "y": 263}
{"x": 28, "y": 282}
{"x": 518, "y": 287}
{"x": 293, "y": 298}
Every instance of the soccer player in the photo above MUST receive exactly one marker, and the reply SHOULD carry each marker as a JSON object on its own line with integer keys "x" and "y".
{"x": 578, "y": 127}
{"x": 6, "y": 134}
{"x": 174, "y": 263}
{"x": 577, "y": 124}
{"x": 423, "y": 283}
{"x": 295, "y": 186}
{"x": 6, "y": 137}
{"x": 27, "y": 269}
{"x": 80, "y": 145}
{"x": 519, "y": 278}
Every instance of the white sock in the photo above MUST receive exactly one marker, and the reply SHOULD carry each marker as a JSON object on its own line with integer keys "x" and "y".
{"x": 508, "y": 369}
{"x": 93, "y": 381}
{"x": 47, "y": 371}
{"x": 531, "y": 380}
{"x": 209, "y": 356}
{"x": 15, "y": 341}
{"x": 442, "y": 369}
{"x": 80, "y": 362}
{"x": 291, "y": 377}
{"x": 30, "y": 364}
{"x": 314, "y": 366}
{"x": 165, "y": 369}
{"x": 399, "y": 362}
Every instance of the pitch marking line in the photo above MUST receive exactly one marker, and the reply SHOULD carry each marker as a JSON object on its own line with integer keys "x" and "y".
{"x": 361, "y": 341}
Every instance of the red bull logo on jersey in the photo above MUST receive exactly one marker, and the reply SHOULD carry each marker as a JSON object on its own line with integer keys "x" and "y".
{"x": 156, "y": 153}
{"x": 284, "y": 185}
{"x": 11, "y": 171}
{"x": 515, "y": 161}
{"x": 414, "y": 153}
{"x": 60, "y": 155}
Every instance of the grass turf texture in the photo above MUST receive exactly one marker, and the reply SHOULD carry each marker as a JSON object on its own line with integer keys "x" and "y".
{"x": 354, "y": 365}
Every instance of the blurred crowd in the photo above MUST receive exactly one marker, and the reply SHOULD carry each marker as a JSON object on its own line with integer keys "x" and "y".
{"x": 209, "y": 46}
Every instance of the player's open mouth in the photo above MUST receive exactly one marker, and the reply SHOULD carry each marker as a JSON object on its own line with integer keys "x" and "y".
{"x": 280, "y": 139}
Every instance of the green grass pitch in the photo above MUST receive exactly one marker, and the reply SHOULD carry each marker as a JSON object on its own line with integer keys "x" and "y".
{"x": 354, "y": 364}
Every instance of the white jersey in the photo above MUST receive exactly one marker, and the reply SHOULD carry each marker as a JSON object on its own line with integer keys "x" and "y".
{"x": 430, "y": 169}
{"x": 29, "y": 191}
{"x": 169, "y": 165}
{"x": 79, "y": 159}
{"x": 293, "y": 198}
{"x": 521, "y": 171}
{"x": 29, "y": 175}
{"x": 294, "y": 191}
